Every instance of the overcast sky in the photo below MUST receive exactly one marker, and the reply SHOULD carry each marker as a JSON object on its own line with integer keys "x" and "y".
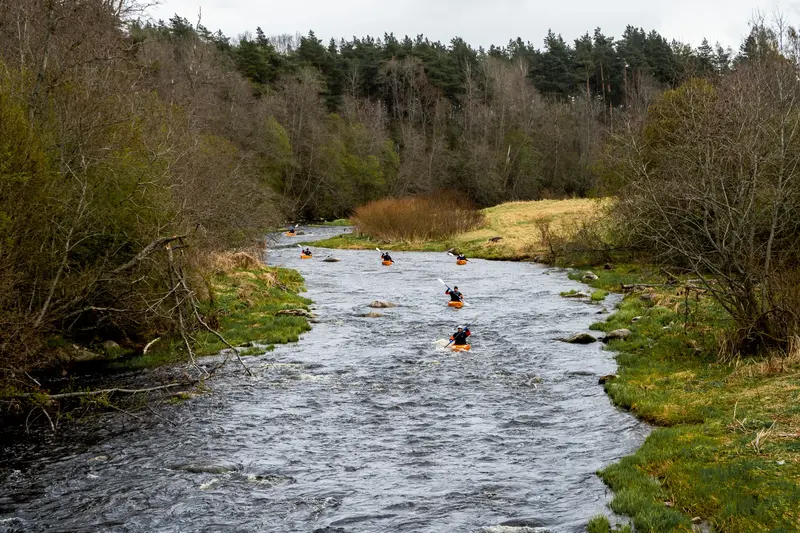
{"x": 481, "y": 23}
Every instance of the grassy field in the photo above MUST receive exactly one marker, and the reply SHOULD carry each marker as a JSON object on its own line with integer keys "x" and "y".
{"x": 727, "y": 450}
{"x": 516, "y": 223}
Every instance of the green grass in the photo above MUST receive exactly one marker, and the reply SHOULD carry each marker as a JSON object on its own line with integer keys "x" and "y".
{"x": 599, "y": 295}
{"x": 472, "y": 249}
{"x": 246, "y": 303}
{"x": 337, "y": 222}
{"x": 700, "y": 462}
{"x": 600, "y": 524}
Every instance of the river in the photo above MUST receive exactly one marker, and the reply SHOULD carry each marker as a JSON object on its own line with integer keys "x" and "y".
{"x": 366, "y": 424}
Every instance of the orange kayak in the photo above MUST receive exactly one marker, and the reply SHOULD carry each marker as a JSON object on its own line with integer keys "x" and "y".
{"x": 461, "y": 261}
{"x": 290, "y": 234}
{"x": 304, "y": 256}
{"x": 460, "y": 347}
{"x": 387, "y": 263}
{"x": 457, "y": 305}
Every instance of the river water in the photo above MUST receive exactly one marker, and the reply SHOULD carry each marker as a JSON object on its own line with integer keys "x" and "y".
{"x": 367, "y": 424}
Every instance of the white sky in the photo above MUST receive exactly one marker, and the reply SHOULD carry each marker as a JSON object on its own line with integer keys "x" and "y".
{"x": 481, "y": 22}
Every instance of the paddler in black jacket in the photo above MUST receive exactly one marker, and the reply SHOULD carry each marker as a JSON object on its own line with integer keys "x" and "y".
{"x": 455, "y": 295}
{"x": 459, "y": 338}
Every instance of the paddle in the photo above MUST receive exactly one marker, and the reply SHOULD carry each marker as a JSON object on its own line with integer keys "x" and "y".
{"x": 448, "y": 253}
{"x": 461, "y": 298}
{"x": 465, "y": 328}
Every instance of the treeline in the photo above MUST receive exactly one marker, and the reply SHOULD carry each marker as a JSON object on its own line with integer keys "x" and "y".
{"x": 360, "y": 119}
{"x": 707, "y": 180}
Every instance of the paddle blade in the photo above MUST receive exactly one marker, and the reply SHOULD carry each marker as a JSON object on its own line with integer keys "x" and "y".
{"x": 378, "y": 249}
{"x": 442, "y": 282}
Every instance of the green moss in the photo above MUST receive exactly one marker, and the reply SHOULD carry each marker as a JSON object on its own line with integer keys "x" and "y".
{"x": 599, "y": 295}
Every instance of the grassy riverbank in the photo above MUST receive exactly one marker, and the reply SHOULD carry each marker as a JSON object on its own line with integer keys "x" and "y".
{"x": 518, "y": 225}
{"x": 727, "y": 449}
{"x": 245, "y": 309}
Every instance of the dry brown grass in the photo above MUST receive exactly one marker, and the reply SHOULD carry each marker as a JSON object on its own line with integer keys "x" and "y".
{"x": 417, "y": 218}
{"x": 519, "y": 223}
{"x": 229, "y": 262}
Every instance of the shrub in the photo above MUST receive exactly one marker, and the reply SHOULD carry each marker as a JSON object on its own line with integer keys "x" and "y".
{"x": 417, "y": 218}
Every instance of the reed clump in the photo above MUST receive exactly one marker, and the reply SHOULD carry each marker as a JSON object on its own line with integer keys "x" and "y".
{"x": 417, "y": 218}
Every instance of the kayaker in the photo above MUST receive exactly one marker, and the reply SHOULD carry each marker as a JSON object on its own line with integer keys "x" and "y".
{"x": 461, "y": 257}
{"x": 455, "y": 295}
{"x": 386, "y": 257}
{"x": 307, "y": 251}
{"x": 459, "y": 338}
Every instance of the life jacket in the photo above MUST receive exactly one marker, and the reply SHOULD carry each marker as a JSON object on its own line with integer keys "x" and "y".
{"x": 462, "y": 257}
{"x": 459, "y": 338}
{"x": 386, "y": 257}
{"x": 455, "y": 296}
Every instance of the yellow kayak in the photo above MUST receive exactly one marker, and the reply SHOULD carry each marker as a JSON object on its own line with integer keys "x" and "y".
{"x": 461, "y": 261}
{"x": 460, "y": 347}
{"x": 457, "y": 305}
{"x": 387, "y": 263}
{"x": 304, "y": 256}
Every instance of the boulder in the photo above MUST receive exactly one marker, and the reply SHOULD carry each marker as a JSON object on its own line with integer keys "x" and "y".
{"x": 578, "y": 294}
{"x": 605, "y": 379}
{"x": 295, "y": 312}
{"x": 581, "y": 338}
{"x": 636, "y": 319}
{"x": 81, "y": 355}
{"x": 111, "y": 346}
{"x": 330, "y": 259}
{"x": 590, "y": 276}
{"x": 377, "y": 304}
{"x": 607, "y": 266}
{"x": 617, "y": 334}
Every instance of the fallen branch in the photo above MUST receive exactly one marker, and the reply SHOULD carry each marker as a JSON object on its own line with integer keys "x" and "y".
{"x": 84, "y": 394}
{"x": 149, "y": 344}
{"x": 146, "y": 251}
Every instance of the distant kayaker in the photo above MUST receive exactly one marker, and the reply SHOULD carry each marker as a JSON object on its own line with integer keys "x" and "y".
{"x": 461, "y": 257}
{"x": 386, "y": 257}
{"x": 307, "y": 251}
{"x": 459, "y": 338}
{"x": 455, "y": 295}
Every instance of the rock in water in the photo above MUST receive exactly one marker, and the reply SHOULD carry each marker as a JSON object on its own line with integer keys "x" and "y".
{"x": 295, "y": 312}
{"x": 605, "y": 379}
{"x": 581, "y": 338}
{"x": 578, "y": 294}
{"x": 617, "y": 334}
{"x": 377, "y": 304}
{"x": 330, "y": 259}
{"x": 590, "y": 276}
